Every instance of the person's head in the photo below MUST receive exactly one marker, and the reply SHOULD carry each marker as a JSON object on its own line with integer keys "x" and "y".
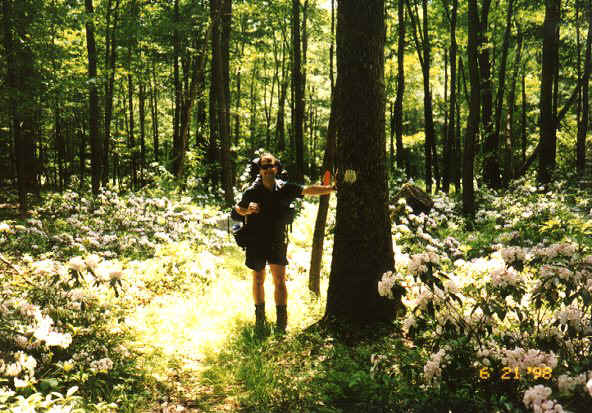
{"x": 268, "y": 165}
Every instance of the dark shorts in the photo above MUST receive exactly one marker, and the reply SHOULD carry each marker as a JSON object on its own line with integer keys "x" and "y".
{"x": 259, "y": 255}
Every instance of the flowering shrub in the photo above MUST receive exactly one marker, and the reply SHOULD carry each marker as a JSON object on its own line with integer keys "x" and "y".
{"x": 60, "y": 333}
{"x": 510, "y": 317}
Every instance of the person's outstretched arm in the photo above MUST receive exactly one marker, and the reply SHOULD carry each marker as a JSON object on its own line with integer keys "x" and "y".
{"x": 318, "y": 189}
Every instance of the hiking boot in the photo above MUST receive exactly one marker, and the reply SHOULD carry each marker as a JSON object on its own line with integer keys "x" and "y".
{"x": 282, "y": 318}
{"x": 260, "y": 318}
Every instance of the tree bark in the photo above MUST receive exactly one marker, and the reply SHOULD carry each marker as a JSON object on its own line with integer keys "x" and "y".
{"x": 363, "y": 248}
{"x": 548, "y": 138}
{"x": 93, "y": 114}
{"x": 473, "y": 119}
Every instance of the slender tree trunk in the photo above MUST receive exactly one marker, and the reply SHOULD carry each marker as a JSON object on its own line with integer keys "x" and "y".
{"x": 523, "y": 117}
{"x": 398, "y": 109}
{"x": 142, "y": 108}
{"x": 423, "y": 51}
{"x": 154, "y": 110}
{"x": 19, "y": 79}
{"x": 449, "y": 148}
{"x": 318, "y": 239}
{"x": 280, "y": 129}
{"x": 253, "y": 122}
{"x": 93, "y": 117}
{"x": 473, "y": 120}
{"x": 110, "y": 59}
{"x": 501, "y": 88}
{"x": 548, "y": 139}
{"x": 222, "y": 109}
{"x": 363, "y": 248}
{"x": 491, "y": 174}
{"x": 458, "y": 153}
{"x": 178, "y": 148}
{"x": 583, "y": 124}
{"x": 297, "y": 84}
{"x": 132, "y": 139}
{"x": 510, "y": 135}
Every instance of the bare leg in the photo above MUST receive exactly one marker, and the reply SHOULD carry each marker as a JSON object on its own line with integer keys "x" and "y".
{"x": 279, "y": 282}
{"x": 259, "y": 286}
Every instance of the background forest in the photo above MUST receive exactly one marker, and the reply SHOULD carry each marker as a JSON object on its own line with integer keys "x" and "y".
{"x": 126, "y": 127}
{"x": 105, "y": 90}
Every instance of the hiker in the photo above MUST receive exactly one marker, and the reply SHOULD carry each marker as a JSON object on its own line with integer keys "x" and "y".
{"x": 265, "y": 204}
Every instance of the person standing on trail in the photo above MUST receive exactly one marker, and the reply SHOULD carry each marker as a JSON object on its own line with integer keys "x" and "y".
{"x": 265, "y": 203}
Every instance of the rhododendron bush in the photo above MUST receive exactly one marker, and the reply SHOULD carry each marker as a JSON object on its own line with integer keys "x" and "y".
{"x": 511, "y": 320}
{"x": 71, "y": 275}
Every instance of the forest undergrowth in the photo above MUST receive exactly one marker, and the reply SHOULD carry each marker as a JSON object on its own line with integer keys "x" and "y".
{"x": 142, "y": 303}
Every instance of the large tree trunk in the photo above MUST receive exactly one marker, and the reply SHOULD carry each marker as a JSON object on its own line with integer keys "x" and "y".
{"x": 548, "y": 139}
{"x": 363, "y": 248}
{"x": 298, "y": 118}
{"x": 398, "y": 109}
{"x": 583, "y": 124}
{"x": 93, "y": 115}
{"x": 473, "y": 120}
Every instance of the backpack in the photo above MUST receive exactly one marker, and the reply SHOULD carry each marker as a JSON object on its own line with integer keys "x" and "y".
{"x": 240, "y": 230}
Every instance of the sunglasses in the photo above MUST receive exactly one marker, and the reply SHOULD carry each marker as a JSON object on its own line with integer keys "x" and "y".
{"x": 268, "y": 166}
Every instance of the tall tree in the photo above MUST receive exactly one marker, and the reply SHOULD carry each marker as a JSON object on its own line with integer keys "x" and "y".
{"x": 473, "y": 119}
{"x": 502, "y": 79}
{"x": 398, "y": 108}
{"x": 509, "y": 168}
{"x": 219, "y": 67}
{"x": 110, "y": 59}
{"x": 583, "y": 123}
{"x": 548, "y": 137}
{"x": 93, "y": 113}
{"x": 363, "y": 248}
{"x": 178, "y": 149}
{"x": 20, "y": 80}
{"x": 449, "y": 146}
{"x": 423, "y": 52}
{"x": 297, "y": 86}
{"x": 491, "y": 174}
{"x": 318, "y": 239}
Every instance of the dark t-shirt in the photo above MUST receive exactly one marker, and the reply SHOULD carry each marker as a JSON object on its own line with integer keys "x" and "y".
{"x": 267, "y": 224}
